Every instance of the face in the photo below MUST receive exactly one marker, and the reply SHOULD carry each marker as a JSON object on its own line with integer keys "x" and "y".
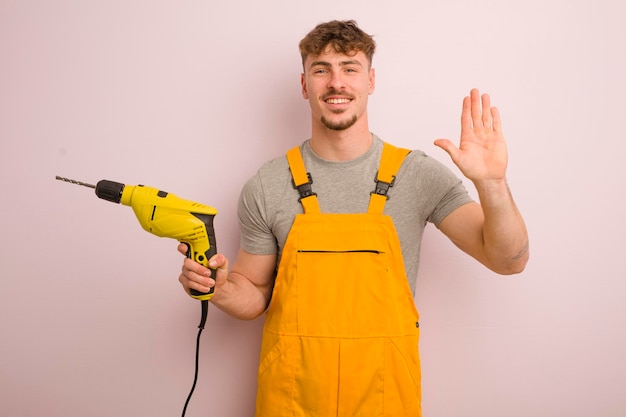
{"x": 337, "y": 87}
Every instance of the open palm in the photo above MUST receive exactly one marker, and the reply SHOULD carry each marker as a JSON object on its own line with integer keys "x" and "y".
{"x": 482, "y": 153}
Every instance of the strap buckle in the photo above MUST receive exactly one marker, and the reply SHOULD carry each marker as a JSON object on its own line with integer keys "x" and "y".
{"x": 382, "y": 187}
{"x": 305, "y": 190}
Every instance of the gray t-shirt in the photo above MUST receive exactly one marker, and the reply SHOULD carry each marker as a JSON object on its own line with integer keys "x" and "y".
{"x": 424, "y": 191}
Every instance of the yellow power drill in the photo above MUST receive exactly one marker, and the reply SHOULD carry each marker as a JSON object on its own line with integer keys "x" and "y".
{"x": 166, "y": 215}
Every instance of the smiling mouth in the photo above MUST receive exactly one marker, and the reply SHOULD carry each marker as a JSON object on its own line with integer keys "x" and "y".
{"x": 337, "y": 100}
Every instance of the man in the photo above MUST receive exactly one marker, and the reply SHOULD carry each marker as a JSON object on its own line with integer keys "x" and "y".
{"x": 341, "y": 330}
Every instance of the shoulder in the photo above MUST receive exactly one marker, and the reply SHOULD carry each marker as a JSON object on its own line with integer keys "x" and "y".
{"x": 273, "y": 166}
{"x": 269, "y": 172}
{"x": 271, "y": 180}
{"x": 420, "y": 164}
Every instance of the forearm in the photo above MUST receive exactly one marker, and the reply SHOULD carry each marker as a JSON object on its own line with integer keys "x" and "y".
{"x": 505, "y": 238}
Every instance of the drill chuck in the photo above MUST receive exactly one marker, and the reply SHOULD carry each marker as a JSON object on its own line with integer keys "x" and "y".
{"x": 110, "y": 190}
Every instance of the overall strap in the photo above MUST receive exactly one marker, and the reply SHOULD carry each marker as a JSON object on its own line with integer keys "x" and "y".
{"x": 302, "y": 181}
{"x": 390, "y": 161}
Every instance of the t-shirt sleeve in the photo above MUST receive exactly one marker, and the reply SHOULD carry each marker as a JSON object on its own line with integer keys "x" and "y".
{"x": 451, "y": 193}
{"x": 256, "y": 236}
{"x": 453, "y": 199}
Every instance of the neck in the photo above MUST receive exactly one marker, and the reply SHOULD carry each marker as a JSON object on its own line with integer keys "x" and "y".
{"x": 340, "y": 145}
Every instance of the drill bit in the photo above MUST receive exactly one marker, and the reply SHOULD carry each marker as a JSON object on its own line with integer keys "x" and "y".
{"x": 84, "y": 184}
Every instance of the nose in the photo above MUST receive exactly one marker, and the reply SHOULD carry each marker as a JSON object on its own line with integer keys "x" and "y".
{"x": 336, "y": 80}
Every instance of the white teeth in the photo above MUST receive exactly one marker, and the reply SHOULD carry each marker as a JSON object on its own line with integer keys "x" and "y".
{"x": 337, "y": 100}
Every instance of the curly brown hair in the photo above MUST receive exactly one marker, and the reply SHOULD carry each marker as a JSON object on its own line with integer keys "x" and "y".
{"x": 344, "y": 36}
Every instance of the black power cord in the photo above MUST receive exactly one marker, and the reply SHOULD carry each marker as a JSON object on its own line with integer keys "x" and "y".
{"x": 205, "y": 308}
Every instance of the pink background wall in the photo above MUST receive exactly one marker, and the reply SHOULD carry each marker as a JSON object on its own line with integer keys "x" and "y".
{"x": 191, "y": 96}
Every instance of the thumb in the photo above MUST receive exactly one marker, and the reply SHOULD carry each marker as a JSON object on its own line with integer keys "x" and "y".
{"x": 219, "y": 264}
{"x": 448, "y": 146}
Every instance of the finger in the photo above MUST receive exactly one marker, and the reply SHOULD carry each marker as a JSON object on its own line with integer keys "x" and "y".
{"x": 486, "y": 110}
{"x": 184, "y": 282}
{"x": 189, "y": 284}
{"x": 196, "y": 272}
{"x": 196, "y": 276}
{"x": 182, "y": 248}
{"x": 190, "y": 280}
{"x": 497, "y": 122}
{"x": 476, "y": 110}
{"x": 466, "y": 115}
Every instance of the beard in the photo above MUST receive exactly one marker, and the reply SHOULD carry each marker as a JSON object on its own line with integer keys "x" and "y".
{"x": 341, "y": 125}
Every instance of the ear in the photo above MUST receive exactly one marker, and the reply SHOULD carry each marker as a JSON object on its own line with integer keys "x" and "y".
{"x": 305, "y": 94}
{"x": 372, "y": 81}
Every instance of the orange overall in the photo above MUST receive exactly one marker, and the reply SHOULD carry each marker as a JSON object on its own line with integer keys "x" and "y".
{"x": 341, "y": 333}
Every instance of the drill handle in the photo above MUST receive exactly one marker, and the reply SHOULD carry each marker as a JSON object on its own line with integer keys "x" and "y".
{"x": 195, "y": 293}
{"x": 203, "y": 256}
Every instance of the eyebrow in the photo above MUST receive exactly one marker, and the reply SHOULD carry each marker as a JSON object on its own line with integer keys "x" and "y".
{"x": 342, "y": 63}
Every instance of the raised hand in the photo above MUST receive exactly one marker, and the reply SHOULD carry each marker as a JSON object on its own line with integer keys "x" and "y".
{"x": 481, "y": 154}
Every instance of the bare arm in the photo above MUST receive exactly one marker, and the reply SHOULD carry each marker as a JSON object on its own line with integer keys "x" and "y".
{"x": 493, "y": 231}
{"x": 243, "y": 292}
